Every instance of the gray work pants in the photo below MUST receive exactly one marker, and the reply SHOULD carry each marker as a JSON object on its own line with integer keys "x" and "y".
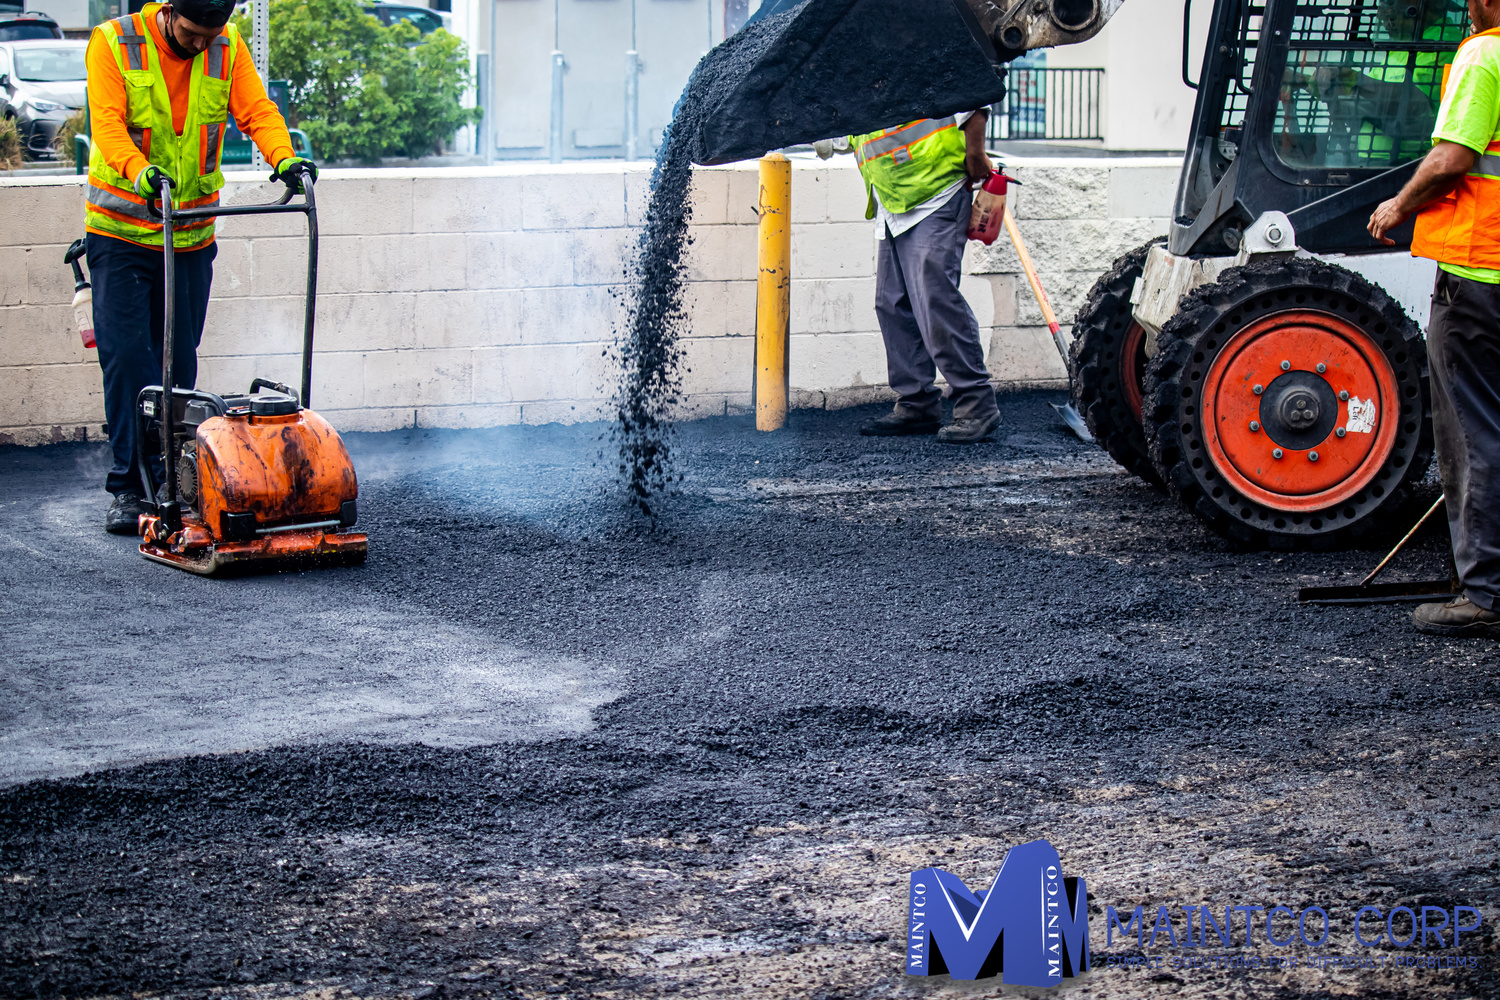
{"x": 926, "y": 324}
{"x": 1463, "y": 349}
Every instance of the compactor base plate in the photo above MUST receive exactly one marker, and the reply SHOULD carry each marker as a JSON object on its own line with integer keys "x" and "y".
{"x": 188, "y": 550}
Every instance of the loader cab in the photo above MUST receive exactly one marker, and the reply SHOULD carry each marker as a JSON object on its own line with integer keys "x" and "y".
{"x": 1319, "y": 110}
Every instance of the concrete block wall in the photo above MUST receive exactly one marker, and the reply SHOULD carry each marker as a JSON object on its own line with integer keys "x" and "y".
{"x": 470, "y": 297}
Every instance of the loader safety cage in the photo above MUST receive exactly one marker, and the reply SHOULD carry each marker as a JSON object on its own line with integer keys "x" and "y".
{"x": 1320, "y": 110}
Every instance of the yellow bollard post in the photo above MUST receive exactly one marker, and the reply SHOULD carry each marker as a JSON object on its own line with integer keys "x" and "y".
{"x": 773, "y": 292}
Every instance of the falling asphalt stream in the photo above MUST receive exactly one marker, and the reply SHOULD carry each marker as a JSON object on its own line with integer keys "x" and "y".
{"x": 536, "y": 747}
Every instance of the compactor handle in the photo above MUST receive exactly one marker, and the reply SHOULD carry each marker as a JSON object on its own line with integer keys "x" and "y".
{"x": 308, "y": 207}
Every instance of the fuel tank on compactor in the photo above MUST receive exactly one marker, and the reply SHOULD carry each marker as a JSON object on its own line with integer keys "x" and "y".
{"x": 819, "y": 69}
{"x": 283, "y": 469}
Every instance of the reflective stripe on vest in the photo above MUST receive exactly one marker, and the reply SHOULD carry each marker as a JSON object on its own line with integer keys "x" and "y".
{"x": 132, "y": 42}
{"x": 1487, "y": 165}
{"x": 214, "y": 64}
{"x": 211, "y": 134}
{"x": 897, "y": 142}
{"x": 193, "y": 158}
{"x": 142, "y": 139}
{"x": 105, "y": 198}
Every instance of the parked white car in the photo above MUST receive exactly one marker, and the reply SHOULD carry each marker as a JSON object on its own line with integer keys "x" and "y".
{"x": 41, "y": 84}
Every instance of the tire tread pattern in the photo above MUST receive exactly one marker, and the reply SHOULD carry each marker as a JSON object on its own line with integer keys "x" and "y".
{"x": 1184, "y": 347}
{"x": 1093, "y": 365}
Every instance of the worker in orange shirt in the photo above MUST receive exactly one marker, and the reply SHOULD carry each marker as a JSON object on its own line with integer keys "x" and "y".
{"x": 161, "y": 84}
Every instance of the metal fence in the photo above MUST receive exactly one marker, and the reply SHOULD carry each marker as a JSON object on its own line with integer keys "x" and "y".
{"x": 1049, "y": 104}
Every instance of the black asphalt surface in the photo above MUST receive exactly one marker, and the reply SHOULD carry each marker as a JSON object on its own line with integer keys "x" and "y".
{"x": 536, "y": 748}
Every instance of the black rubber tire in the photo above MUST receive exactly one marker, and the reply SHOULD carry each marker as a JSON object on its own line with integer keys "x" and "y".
{"x": 1094, "y": 363}
{"x": 1188, "y": 346}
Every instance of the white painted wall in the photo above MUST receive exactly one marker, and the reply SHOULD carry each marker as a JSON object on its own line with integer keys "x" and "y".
{"x": 593, "y": 36}
{"x": 1145, "y": 103}
{"x": 468, "y": 297}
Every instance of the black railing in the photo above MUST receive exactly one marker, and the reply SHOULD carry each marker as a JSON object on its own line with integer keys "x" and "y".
{"x": 1049, "y": 104}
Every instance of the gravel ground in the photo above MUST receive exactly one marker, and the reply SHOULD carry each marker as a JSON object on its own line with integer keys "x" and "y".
{"x": 532, "y": 749}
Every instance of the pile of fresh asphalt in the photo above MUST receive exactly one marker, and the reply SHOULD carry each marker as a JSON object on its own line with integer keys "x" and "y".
{"x": 843, "y": 659}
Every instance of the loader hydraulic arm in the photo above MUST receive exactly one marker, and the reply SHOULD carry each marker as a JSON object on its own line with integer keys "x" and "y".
{"x": 1016, "y": 26}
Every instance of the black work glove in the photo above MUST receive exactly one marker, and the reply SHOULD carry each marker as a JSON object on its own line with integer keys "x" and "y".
{"x": 291, "y": 170}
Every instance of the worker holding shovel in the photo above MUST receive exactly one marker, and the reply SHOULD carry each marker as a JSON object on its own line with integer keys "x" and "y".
{"x": 161, "y": 84}
{"x": 1455, "y": 195}
{"x": 918, "y": 177}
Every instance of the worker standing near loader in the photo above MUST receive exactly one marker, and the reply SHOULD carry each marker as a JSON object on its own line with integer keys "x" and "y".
{"x": 1456, "y": 192}
{"x": 161, "y": 84}
{"x": 918, "y": 178}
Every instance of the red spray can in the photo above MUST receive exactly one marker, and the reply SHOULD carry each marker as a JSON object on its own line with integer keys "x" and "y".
{"x": 989, "y": 208}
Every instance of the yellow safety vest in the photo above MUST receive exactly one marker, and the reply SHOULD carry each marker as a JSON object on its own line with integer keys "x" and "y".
{"x": 112, "y": 206}
{"x": 910, "y": 164}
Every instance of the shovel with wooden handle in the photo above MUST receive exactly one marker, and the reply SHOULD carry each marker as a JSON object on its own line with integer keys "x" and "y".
{"x": 1067, "y": 411}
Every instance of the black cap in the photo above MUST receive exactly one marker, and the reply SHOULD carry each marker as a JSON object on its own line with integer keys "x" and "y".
{"x": 208, "y": 13}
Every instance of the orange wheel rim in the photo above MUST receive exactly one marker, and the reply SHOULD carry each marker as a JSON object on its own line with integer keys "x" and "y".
{"x": 1131, "y": 352}
{"x": 1299, "y": 411}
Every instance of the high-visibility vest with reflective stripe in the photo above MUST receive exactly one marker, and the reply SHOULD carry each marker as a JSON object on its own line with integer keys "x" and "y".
{"x": 112, "y": 206}
{"x": 910, "y": 164}
{"x": 1463, "y": 227}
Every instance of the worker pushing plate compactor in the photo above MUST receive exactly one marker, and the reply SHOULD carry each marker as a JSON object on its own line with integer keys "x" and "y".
{"x": 1280, "y": 397}
{"x": 252, "y": 480}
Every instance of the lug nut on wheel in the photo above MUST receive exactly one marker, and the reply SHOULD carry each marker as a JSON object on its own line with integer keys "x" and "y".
{"x": 1344, "y": 395}
{"x": 1340, "y": 432}
{"x": 1286, "y": 366}
{"x": 1258, "y": 390}
{"x": 1255, "y": 425}
{"x": 1312, "y": 456}
{"x": 1322, "y": 368}
{"x": 1278, "y": 454}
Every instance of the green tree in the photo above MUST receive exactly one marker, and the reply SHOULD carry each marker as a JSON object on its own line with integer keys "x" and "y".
{"x": 362, "y": 90}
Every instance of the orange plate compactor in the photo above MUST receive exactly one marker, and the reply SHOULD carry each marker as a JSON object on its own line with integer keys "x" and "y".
{"x": 252, "y": 480}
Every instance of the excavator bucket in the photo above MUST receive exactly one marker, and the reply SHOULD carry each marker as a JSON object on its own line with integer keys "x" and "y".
{"x": 820, "y": 69}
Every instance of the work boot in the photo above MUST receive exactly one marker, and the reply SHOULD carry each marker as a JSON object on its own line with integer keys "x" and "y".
{"x": 1459, "y": 617}
{"x": 900, "y": 423}
{"x": 969, "y": 430}
{"x": 124, "y": 515}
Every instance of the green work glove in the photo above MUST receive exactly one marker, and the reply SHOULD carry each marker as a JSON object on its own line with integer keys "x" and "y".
{"x": 148, "y": 181}
{"x": 290, "y": 170}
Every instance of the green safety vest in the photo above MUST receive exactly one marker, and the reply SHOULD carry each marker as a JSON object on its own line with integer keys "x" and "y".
{"x": 910, "y": 164}
{"x": 192, "y": 158}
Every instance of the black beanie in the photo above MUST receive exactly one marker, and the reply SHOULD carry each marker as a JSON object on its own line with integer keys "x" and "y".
{"x": 208, "y": 13}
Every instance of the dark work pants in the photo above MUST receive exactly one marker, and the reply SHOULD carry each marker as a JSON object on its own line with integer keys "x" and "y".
{"x": 129, "y": 312}
{"x": 1463, "y": 349}
{"x": 926, "y": 324}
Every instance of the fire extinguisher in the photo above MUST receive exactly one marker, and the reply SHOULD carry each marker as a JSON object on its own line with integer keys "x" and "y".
{"x": 83, "y": 295}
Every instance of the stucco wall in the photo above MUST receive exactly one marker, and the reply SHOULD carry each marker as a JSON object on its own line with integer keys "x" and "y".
{"x": 484, "y": 296}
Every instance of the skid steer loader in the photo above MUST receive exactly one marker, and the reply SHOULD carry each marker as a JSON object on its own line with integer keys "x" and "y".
{"x": 1278, "y": 395}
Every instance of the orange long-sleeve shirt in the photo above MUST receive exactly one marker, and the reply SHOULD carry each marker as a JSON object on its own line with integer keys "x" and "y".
{"x": 254, "y": 112}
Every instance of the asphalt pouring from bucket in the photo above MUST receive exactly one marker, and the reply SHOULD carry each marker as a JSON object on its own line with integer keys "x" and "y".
{"x": 793, "y": 76}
